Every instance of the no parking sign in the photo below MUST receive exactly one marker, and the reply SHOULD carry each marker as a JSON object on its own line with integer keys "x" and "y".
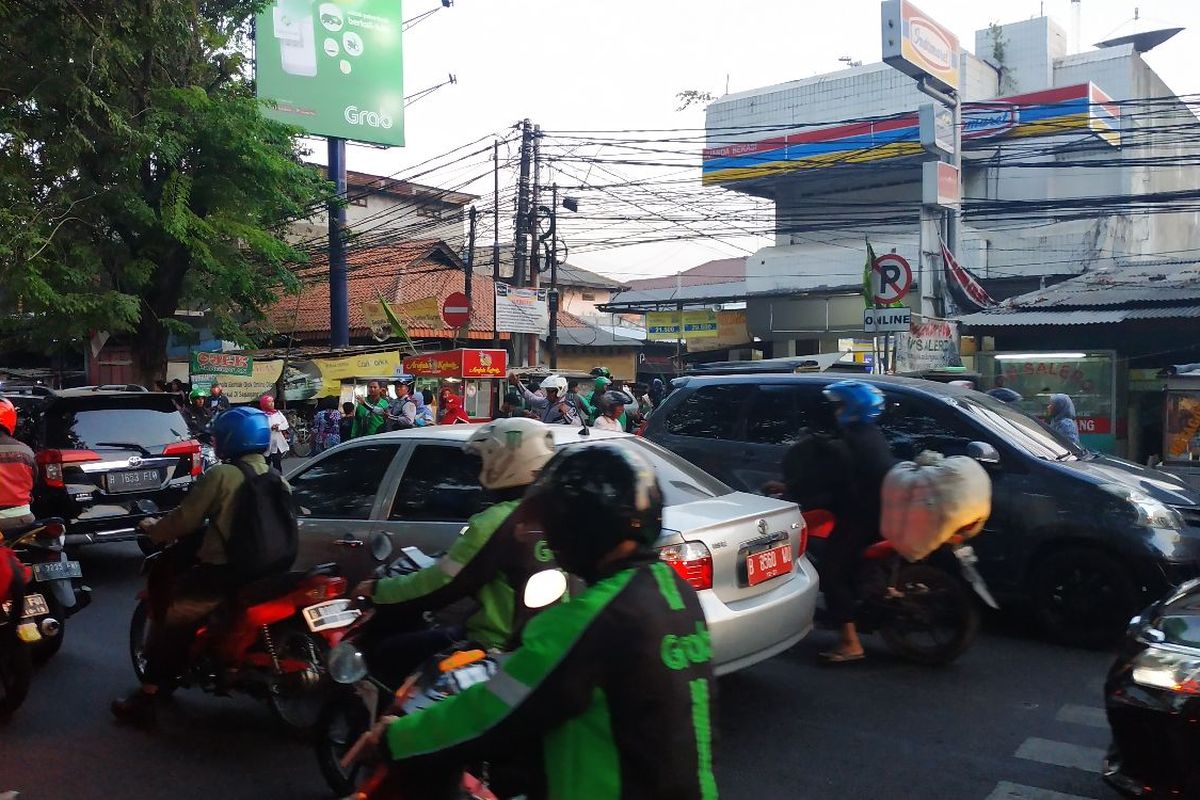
{"x": 891, "y": 278}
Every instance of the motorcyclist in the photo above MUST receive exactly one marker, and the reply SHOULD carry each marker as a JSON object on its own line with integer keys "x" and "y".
{"x": 843, "y": 474}
{"x": 609, "y": 693}
{"x": 594, "y": 406}
{"x": 18, "y": 469}
{"x": 197, "y": 413}
{"x": 614, "y": 411}
{"x": 202, "y": 578}
{"x": 489, "y": 562}
{"x": 554, "y": 408}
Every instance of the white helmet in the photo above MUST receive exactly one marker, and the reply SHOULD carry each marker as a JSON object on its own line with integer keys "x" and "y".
{"x": 512, "y": 451}
{"x": 555, "y": 382}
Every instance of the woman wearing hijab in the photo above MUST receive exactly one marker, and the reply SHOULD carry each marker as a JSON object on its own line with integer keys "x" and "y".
{"x": 452, "y": 409}
{"x": 424, "y": 412}
{"x": 1061, "y": 415}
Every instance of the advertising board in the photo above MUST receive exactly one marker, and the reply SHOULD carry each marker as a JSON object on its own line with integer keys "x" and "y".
{"x": 917, "y": 46}
{"x": 521, "y": 310}
{"x": 672, "y": 325}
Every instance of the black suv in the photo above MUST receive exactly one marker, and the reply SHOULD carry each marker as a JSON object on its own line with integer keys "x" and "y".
{"x": 106, "y": 459}
{"x": 1087, "y": 539}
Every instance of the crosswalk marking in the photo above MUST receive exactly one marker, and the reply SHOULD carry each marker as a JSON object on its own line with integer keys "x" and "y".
{"x": 1062, "y": 754}
{"x": 1015, "y": 791}
{"x": 1083, "y": 715}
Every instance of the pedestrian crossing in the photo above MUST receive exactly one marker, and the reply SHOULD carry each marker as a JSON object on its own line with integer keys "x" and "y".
{"x": 1085, "y": 758}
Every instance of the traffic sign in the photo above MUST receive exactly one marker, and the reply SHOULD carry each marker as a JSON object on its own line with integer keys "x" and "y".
{"x": 891, "y": 278}
{"x": 456, "y": 310}
{"x": 887, "y": 320}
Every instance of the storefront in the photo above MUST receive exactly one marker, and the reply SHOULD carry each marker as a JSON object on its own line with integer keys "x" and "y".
{"x": 1181, "y": 427}
{"x": 477, "y": 376}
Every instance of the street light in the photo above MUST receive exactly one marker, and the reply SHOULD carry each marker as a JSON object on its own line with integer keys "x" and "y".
{"x": 551, "y": 214}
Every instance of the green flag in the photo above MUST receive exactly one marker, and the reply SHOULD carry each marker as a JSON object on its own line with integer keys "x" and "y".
{"x": 867, "y": 291}
{"x": 397, "y": 325}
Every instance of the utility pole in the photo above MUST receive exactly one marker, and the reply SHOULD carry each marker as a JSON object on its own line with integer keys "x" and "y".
{"x": 531, "y": 339}
{"x": 552, "y": 295}
{"x": 339, "y": 299}
{"x": 469, "y": 276}
{"x": 521, "y": 246}
{"x": 495, "y": 230}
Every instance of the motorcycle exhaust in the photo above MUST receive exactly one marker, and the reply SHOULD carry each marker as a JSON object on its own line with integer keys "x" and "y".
{"x": 50, "y": 627}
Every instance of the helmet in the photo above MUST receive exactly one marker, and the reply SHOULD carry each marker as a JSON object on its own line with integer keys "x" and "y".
{"x": 615, "y": 398}
{"x": 590, "y": 499}
{"x": 1005, "y": 395}
{"x": 555, "y": 382}
{"x": 240, "y": 431}
{"x": 601, "y": 372}
{"x": 197, "y": 391}
{"x": 602, "y": 383}
{"x": 8, "y": 416}
{"x": 854, "y": 401}
{"x": 513, "y": 451}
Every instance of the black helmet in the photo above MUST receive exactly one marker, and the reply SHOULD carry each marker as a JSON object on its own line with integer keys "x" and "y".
{"x": 590, "y": 499}
{"x": 601, "y": 372}
{"x": 614, "y": 397}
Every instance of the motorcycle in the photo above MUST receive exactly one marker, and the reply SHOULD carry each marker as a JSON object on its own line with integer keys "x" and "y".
{"x": 41, "y": 546}
{"x": 23, "y": 616}
{"x": 921, "y": 610}
{"x": 365, "y": 698}
{"x": 269, "y": 642}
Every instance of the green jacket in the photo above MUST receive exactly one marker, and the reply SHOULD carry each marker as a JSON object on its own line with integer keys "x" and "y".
{"x": 487, "y": 562}
{"x": 369, "y": 419}
{"x": 613, "y": 687}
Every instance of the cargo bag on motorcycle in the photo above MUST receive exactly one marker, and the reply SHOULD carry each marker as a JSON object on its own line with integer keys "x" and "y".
{"x": 266, "y": 538}
{"x": 928, "y": 501}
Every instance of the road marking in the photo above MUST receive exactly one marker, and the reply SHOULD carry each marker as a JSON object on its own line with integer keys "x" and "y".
{"x": 1062, "y": 754}
{"x": 1083, "y": 715}
{"x": 1015, "y": 791}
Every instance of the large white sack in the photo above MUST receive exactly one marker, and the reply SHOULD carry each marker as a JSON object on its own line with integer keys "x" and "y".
{"x": 927, "y": 501}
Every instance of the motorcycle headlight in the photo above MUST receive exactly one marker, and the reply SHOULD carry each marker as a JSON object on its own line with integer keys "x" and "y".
{"x": 346, "y": 664}
{"x": 1150, "y": 513}
{"x": 1172, "y": 670}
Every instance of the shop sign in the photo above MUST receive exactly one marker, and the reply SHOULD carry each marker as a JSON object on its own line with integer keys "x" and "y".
{"x": 328, "y": 373}
{"x": 221, "y": 364}
{"x": 672, "y": 325}
{"x": 448, "y": 364}
{"x": 917, "y": 46}
{"x": 244, "y": 388}
{"x": 932, "y": 344}
{"x": 887, "y": 320}
{"x": 940, "y": 184}
{"x": 484, "y": 363}
{"x": 988, "y": 120}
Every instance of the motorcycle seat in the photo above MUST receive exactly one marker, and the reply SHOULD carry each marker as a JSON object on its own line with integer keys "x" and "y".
{"x": 12, "y": 534}
{"x": 273, "y": 586}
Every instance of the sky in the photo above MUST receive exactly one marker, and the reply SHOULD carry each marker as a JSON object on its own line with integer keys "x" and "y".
{"x": 572, "y": 65}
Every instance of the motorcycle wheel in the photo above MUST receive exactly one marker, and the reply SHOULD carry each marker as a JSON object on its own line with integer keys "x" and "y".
{"x": 16, "y": 673}
{"x": 342, "y": 721}
{"x": 295, "y": 700}
{"x": 933, "y": 621}
{"x": 139, "y": 630}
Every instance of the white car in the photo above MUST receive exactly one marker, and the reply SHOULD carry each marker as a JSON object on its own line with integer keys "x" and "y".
{"x": 743, "y": 553}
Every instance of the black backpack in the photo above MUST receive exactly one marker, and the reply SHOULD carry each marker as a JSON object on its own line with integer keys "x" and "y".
{"x": 266, "y": 537}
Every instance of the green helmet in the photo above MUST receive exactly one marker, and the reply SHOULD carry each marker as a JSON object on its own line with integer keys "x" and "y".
{"x": 197, "y": 391}
{"x": 602, "y": 383}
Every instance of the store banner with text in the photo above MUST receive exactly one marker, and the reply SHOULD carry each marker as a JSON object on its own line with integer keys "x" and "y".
{"x": 672, "y": 325}
{"x": 932, "y": 344}
{"x": 221, "y": 364}
{"x": 521, "y": 310}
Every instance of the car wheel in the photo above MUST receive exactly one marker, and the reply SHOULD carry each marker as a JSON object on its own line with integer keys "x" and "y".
{"x": 1083, "y": 597}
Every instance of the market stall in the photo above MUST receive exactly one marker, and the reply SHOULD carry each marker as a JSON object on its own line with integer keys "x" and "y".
{"x": 477, "y": 376}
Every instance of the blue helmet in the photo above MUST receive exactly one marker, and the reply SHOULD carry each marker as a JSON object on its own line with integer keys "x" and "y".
{"x": 240, "y": 431}
{"x": 854, "y": 401}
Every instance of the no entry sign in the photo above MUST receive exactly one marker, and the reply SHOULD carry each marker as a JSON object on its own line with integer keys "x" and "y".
{"x": 892, "y": 278}
{"x": 456, "y": 310}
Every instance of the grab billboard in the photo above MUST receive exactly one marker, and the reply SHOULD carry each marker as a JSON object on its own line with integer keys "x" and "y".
{"x": 333, "y": 67}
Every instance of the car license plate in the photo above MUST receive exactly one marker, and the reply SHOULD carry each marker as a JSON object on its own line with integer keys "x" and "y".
{"x": 57, "y": 570}
{"x": 331, "y": 614}
{"x": 767, "y": 564}
{"x": 134, "y": 480}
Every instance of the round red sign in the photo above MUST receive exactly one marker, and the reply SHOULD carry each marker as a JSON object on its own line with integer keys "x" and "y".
{"x": 456, "y": 310}
{"x": 892, "y": 280}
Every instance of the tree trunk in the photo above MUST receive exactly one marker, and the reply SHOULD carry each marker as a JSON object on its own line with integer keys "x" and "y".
{"x": 149, "y": 348}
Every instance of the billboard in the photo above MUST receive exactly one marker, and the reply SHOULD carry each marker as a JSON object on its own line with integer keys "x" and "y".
{"x": 672, "y": 325}
{"x": 521, "y": 310}
{"x": 918, "y": 46}
{"x": 333, "y": 67}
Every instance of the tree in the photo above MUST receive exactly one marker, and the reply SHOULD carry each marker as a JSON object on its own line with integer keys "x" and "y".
{"x": 138, "y": 174}
{"x": 693, "y": 97}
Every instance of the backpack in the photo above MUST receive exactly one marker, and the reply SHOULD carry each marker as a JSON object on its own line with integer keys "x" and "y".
{"x": 266, "y": 538}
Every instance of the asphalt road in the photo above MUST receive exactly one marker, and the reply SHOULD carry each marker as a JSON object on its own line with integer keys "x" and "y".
{"x": 1013, "y": 719}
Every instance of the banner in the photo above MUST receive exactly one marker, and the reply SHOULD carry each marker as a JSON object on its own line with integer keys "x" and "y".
{"x": 333, "y": 68}
{"x": 221, "y": 364}
{"x": 672, "y": 325}
{"x": 928, "y": 345}
{"x": 423, "y": 313}
{"x": 521, "y": 310}
{"x": 731, "y": 332}
{"x": 965, "y": 290}
{"x": 244, "y": 388}
{"x": 304, "y": 379}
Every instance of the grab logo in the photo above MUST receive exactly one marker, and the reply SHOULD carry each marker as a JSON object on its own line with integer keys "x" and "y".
{"x": 372, "y": 119}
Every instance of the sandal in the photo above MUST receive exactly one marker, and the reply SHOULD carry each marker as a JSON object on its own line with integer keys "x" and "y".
{"x": 834, "y": 657}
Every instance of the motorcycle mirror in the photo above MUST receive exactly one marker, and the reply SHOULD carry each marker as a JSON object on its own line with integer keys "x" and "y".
{"x": 544, "y": 588}
{"x": 984, "y": 453}
{"x": 381, "y": 546}
{"x": 146, "y": 506}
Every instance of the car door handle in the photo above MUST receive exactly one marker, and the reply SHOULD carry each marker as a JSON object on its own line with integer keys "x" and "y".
{"x": 350, "y": 542}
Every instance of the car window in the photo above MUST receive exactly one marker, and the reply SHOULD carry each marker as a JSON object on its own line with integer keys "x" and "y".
{"x": 1019, "y": 429}
{"x": 709, "y": 412}
{"x": 343, "y": 485}
{"x": 779, "y": 412}
{"x": 912, "y": 425}
{"x": 92, "y": 422}
{"x": 440, "y": 484}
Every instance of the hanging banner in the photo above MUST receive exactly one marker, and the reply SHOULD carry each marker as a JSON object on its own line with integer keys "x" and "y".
{"x": 244, "y": 388}
{"x": 672, "y": 325}
{"x": 932, "y": 344}
{"x": 521, "y": 310}
{"x": 965, "y": 289}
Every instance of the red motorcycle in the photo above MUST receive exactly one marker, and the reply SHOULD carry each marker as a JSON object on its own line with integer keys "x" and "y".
{"x": 270, "y": 642}
{"x": 19, "y": 629}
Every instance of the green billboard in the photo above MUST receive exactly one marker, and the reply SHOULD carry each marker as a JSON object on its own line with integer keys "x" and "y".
{"x": 333, "y": 67}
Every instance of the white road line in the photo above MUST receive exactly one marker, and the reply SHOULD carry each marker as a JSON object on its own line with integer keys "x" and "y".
{"x": 1062, "y": 754}
{"x": 1015, "y": 791}
{"x": 1083, "y": 715}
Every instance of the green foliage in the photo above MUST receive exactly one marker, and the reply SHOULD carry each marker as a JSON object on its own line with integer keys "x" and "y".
{"x": 137, "y": 174}
{"x": 693, "y": 97}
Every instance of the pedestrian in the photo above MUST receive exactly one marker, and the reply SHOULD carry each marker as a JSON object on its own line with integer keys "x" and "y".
{"x": 657, "y": 392}
{"x": 370, "y": 412}
{"x": 614, "y": 411}
{"x": 1060, "y": 414}
{"x": 402, "y": 412}
{"x": 327, "y": 425}
{"x": 424, "y": 413}
{"x": 218, "y": 403}
{"x": 346, "y": 425}
{"x": 278, "y": 424}
{"x": 452, "y": 409}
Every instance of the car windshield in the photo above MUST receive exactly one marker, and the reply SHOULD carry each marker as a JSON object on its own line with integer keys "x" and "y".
{"x": 1017, "y": 428}
{"x": 680, "y": 481}
{"x": 103, "y": 423}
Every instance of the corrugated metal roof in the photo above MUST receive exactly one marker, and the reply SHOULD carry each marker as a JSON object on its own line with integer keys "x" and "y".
{"x": 683, "y": 294}
{"x": 1160, "y": 282}
{"x": 1003, "y": 318}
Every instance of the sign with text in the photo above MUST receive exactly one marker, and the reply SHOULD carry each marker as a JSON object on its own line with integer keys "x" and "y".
{"x": 462, "y": 363}
{"x": 672, "y": 325}
{"x": 333, "y": 67}
{"x": 521, "y": 310}
{"x": 886, "y": 320}
{"x": 935, "y": 123}
{"x": 939, "y": 184}
{"x": 221, "y": 364}
{"x": 917, "y": 46}
{"x": 932, "y": 344}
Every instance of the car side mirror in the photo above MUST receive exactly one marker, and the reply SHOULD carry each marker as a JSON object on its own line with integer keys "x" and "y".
{"x": 544, "y": 588}
{"x": 984, "y": 453}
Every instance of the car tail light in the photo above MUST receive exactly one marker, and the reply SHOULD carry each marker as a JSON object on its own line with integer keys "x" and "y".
{"x": 692, "y": 561}
{"x": 189, "y": 448}
{"x": 803, "y": 548}
{"x": 52, "y": 461}
{"x": 329, "y": 589}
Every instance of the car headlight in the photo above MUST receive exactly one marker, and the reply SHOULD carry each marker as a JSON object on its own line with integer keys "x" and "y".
{"x": 1150, "y": 513}
{"x": 346, "y": 664}
{"x": 1168, "y": 669}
